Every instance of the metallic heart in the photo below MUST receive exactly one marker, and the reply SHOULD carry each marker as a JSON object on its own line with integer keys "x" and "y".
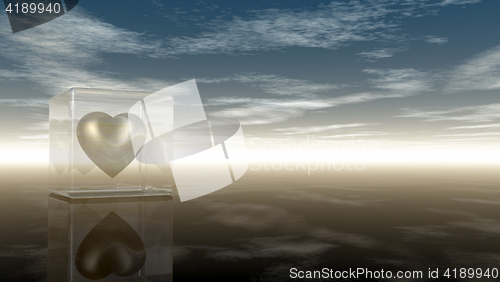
{"x": 107, "y": 140}
{"x": 112, "y": 246}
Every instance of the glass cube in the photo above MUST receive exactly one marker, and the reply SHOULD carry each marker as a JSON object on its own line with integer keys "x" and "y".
{"x": 110, "y": 239}
{"x": 95, "y": 137}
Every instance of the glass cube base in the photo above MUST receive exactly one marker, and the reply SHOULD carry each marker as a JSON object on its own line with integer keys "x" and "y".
{"x": 115, "y": 193}
{"x": 110, "y": 239}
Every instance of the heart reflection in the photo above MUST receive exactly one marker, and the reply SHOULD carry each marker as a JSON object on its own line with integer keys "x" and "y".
{"x": 112, "y": 246}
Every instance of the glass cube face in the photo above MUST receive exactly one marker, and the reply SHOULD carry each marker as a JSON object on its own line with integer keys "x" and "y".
{"x": 110, "y": 239}
{"x": 95, "y": 136}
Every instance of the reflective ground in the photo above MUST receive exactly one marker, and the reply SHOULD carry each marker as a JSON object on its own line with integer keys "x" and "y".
{"x": 393, "y": 218}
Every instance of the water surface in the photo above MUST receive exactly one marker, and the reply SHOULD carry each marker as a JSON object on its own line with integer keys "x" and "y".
{"x": 391, "y": 218}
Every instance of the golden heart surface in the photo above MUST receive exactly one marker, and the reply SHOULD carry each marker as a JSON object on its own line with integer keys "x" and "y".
{"x": 107, "y": 140}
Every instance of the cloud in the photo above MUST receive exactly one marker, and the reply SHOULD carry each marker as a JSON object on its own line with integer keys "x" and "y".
{"x": 295, "y": 97}
{"x": 12, "y": 75}
{"x": 474, "y": 259}
{"x": 274, "y": 247}
{"x": 478, "y": 201}
{"x": 391, "y": 83}
{"x": 84, "y": 37}
{"x": 358, "y": 134}
{"x": 474, "y": 188}
{"x": 66, "y": 59}
{"x": 275, "y": 85}
{"x": 470, "y": 134}
{"x": 480, "y": 113}
{"x": 287, "y": 98}
{"x": 38, "y": 126}
{"x": 331, "y": 26}
{"x": 307, "y": 240}
{"x": 479, "y": 126}
{"x": 182, "y": 253}
{"x": 317, "y": 129}
{"x": 478, "y": 73}
{"x": 458, "y": 2}
{"x": 62, "y": 53}
{"x": 376, "y": 54}
{"x": 24, "y": 102}
{"x": 467, "y": 114}
{"x": 32, "y": 261}
{"x": 404, "y": 82}
{"x": 316, "y": 197}
{"x": 417, "y": 232}
{"x": 465, "y": 140}
{"x": 60, "y": 60}
{"x": 480, "y": 224}
{"x": 266, "y": 111}
{"x": 253, "y": 217}
{"x": 450, "y": 212}
{"x": 35, "y": 137}
{"x": 262, "y": 218}
{"x": 432, "y": 39}
{"x": 349, "y": 239}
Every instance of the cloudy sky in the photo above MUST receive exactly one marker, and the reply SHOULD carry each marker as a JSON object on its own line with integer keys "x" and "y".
{"x": 408, "y": 74}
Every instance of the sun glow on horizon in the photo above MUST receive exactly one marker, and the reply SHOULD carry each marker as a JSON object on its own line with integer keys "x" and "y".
{"x": 395, "y": 155}
{"x": 23, "y": 155}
